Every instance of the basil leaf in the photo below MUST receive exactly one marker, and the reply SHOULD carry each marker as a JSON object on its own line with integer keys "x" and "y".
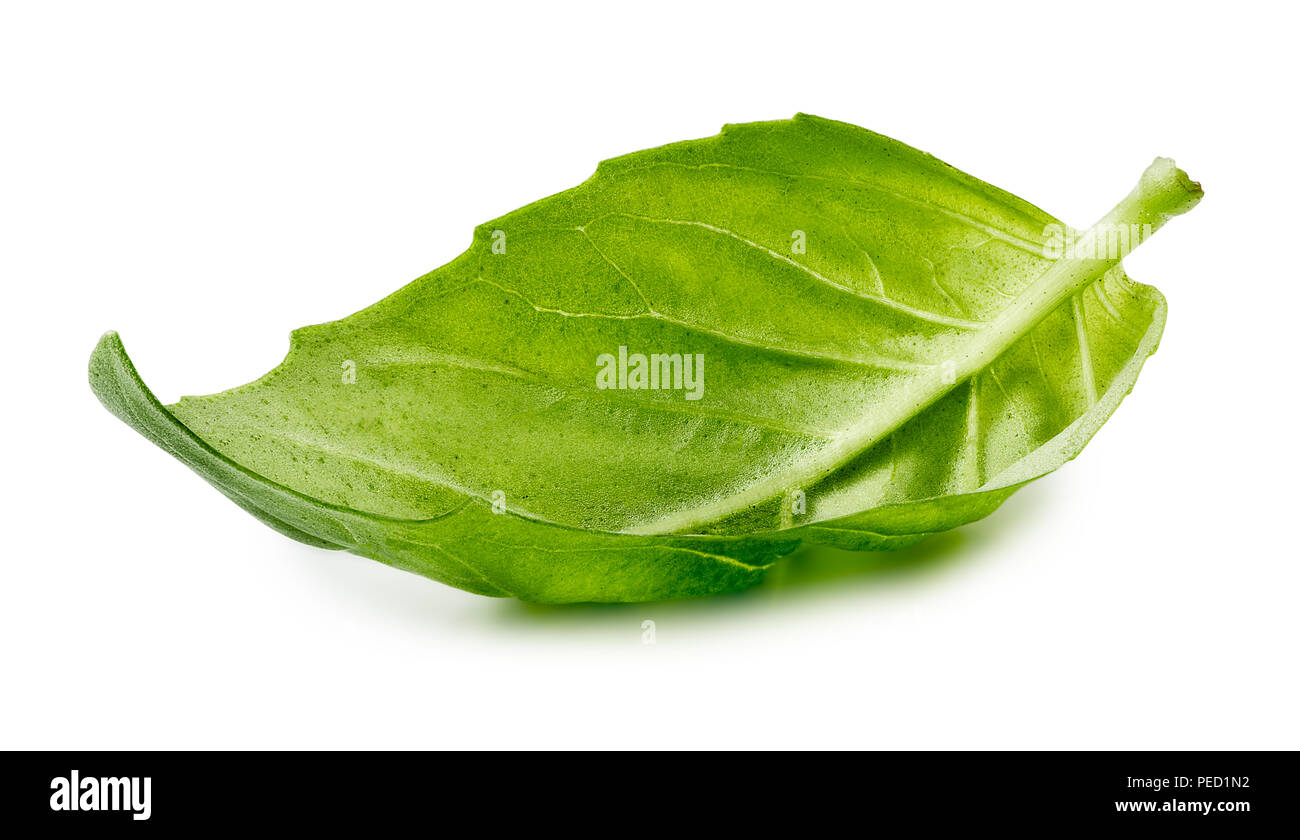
{"x": 657, "y": 383}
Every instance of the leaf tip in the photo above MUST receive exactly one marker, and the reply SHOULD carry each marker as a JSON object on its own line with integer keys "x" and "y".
{"x": 106, "y": 360}
{"x": 108, "y": 347}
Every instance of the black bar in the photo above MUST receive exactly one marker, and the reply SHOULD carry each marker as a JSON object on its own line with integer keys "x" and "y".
{"x": 333, "y": 789}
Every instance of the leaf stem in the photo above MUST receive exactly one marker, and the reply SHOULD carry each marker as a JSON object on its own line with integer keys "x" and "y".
{"x": 1163, "y": 191}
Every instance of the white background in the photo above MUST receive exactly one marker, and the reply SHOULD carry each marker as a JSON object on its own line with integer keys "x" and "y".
{"x": 205, "y": 177}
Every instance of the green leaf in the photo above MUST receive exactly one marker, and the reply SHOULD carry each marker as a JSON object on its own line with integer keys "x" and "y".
{"x": 887, "y": 351}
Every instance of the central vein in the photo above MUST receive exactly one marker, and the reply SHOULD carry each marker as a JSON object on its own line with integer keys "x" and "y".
{"x": 1162, "y": 193}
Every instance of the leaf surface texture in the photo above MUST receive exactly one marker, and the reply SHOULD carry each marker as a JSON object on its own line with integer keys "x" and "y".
{"x": 477, "y": 383}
